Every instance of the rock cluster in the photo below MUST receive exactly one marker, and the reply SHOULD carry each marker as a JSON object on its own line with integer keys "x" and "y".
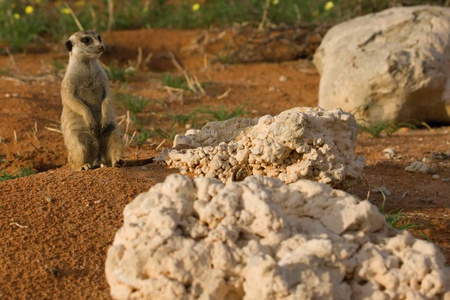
{"x": 391, "y": 66}
{"x": 261, "y": 239}
{"x": 298, "y": 143}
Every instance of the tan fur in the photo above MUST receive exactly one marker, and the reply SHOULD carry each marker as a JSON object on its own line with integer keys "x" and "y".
{"x": 88, "y": 121}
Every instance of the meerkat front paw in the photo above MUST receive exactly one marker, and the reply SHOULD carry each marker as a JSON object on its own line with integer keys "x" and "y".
{"x": 92, "y": 125}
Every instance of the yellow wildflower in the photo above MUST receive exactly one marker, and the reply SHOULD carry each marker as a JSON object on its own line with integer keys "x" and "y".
{"x": 80, "y": 3}
{"x": 329, "y": 5}
{"x": 196, "y": 7}
{"x": 29, "y": 9}
{"x": 16, "y": 16}
{"x": 65, "y": 11}
{"x": 275, "y": 2}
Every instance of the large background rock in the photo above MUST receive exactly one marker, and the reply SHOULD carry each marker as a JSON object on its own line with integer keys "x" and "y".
{"x": 261, "y": 239}
{"x": 391, "y": 66}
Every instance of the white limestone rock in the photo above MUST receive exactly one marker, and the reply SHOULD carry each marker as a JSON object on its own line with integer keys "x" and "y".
{"x": 298, "y": 143}
{"x": 390, "y": 66}
{"x": 261, "y": 239}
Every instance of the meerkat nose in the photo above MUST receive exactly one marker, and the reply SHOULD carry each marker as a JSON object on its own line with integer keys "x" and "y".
{"x": 100, "y": 48}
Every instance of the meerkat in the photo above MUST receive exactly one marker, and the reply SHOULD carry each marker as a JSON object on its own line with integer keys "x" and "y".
{"x": 88, "y": 122}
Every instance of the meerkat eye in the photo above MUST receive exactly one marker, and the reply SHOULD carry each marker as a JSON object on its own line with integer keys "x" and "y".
{"x": 86, "y": 40}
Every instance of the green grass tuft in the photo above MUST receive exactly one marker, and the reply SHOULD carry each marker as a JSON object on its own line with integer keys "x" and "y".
{"x": 20, "y": 173}
{"x": 394, "y": 217}
{"x": 202, "y": 114}
{"x": 388, "y": 128}
{"x": 222, "y": 114}
{"x": 178, "y": 82}
{"x": 135, "y": 104}
{"x": 116, "y": 73}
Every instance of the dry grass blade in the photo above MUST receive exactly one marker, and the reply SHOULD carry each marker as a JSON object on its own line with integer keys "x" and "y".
{"x": 128, "y": 122}
{"x": 110, "y": 15}
{"x": 264, "y": 16}
{"x": 35, "y": 131}
{"x": 148, "y": 58}
{"x": 94, "y": 18}
{"x": 227, "y": 92}
{"x": 192, "y": 81}
{"x": 121, "y": 119}
{"x": 132, "y": 138}
{"x": 74, "y": 17}
{"x": 175, "y": 95}
{"x": 18, "y": 225}
{"x": 139, "y": 59}
{"x": 157, "y": 148}
{"x": 39, "y": 150}
{"x": 11, "y": 58}
{"x": 53, "y": 129}
{"x": 426, "y": 125}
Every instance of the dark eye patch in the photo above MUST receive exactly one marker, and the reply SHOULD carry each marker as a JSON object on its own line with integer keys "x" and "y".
{"x": 86, "y": 40}
{"x": 100, "y": 39}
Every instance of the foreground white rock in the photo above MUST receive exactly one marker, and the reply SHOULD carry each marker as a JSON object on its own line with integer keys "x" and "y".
{"x": 261, "y": 239}
{"x": 298, "y": 143}
{"x": 391, "y": 66}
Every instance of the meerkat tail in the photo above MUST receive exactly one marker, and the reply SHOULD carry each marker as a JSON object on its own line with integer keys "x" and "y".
{"x": 135, "y": 163}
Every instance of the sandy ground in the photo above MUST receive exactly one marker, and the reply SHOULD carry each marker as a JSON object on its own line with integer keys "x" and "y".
{"x": 56, "y": 225}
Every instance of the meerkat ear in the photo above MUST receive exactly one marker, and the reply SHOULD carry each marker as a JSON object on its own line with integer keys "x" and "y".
{"x": 69, "y": 45}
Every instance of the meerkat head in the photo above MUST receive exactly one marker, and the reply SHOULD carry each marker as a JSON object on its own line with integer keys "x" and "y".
{"x": 85, "y": 44}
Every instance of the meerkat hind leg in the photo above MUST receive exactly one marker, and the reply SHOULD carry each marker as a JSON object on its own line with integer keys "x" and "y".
{"x": 114, "y": 148}
{"x": 83, "y": 150}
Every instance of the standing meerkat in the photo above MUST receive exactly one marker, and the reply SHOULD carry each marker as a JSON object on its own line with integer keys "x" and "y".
{"x": 91, "y": 133}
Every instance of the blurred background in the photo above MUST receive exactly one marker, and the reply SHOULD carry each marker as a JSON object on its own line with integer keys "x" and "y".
{"x": 43, "y": 21}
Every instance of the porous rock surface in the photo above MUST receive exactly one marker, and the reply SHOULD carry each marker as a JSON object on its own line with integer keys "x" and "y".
{"x": 389, "y": 66}
{"x": 298, "y": 143}
{"x": 261, "y": 239}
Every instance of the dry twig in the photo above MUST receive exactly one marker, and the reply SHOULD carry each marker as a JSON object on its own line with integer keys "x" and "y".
{"x": 18, "y": 225}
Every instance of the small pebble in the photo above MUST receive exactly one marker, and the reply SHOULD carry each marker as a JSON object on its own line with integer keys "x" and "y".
{"x": 390, "y": 153}
{"x": 382, "y": 189}
{"x": 435, "y": 176}
{"x": 282, "y": 78}
{"x": 417, "y": 167}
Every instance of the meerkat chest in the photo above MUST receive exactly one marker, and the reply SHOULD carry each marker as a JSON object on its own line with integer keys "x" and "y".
{"x": 91, "y": 91}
